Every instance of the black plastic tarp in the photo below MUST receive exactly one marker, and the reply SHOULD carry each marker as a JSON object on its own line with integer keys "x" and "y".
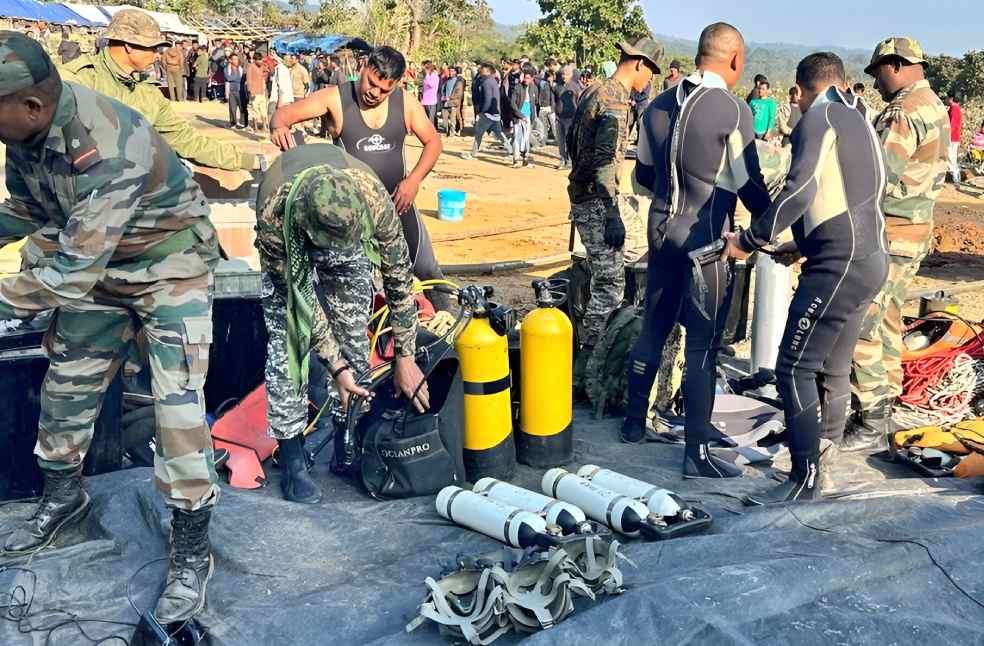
{"x": 869, "y": 567}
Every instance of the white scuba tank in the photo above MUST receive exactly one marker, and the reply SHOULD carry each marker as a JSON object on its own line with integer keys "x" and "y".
{"x": 659, "y": 501}
{"x": 556, "y": 512}
{"x": 495, "y": 519}
{"x": 621, "y": 513}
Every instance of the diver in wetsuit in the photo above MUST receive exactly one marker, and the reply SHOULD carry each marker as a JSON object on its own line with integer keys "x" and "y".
{"x": 370, "y": 119}
{"x": 697, "y": 156}
{"x": 832, "y": 201}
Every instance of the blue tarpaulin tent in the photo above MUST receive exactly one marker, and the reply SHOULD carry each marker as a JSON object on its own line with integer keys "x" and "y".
{"x": 56, "y": 14}
{"x": 296, "y": 43}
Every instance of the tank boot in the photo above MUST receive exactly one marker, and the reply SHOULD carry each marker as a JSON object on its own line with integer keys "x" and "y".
{"x": 633, "y": 430}
{"x": 803, "y": 484}
{"x": 295, "y": 480}
{"x": 868, "y": 430}
{"x": 698, "y": 462}
{"x": 64, "y": 503}
{"x": 190, "y": 568}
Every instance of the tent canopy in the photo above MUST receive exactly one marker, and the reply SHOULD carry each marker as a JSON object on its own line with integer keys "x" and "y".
{"x": 22, "y": 9}
{"x": 56, "y": 14}
{"x": 168, "y": 22}
{"x": 90, "y": 12}
{"x": 61, "y": 15}
{"x": 296, "y": 43}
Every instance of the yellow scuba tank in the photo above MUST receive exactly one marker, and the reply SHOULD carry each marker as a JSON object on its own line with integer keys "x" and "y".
{"x": 483, "y": 351}
{"x": 545, "y": 437}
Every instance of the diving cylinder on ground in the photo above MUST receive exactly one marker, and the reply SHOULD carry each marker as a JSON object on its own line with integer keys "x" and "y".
{"x": 556, "y": 512}
{"x": 621, "y": 513}
{"x": 773, "y": 291}
{"x": 506, "y": 523}
{"x": 545, "y": 437}
{"x": 483, "y": 352}
{"x": 659, "y": 501}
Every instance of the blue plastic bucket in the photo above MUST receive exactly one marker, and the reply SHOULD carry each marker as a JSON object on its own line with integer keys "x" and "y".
{"x": 451, "y": 205}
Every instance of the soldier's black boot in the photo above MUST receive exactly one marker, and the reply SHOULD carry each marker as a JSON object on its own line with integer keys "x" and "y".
{"x": 190, "y": 568}
{"x": 698, "y": 462}
{"x": 64, "y": 503}
{"x": 868, "y": 430}
{"x": 296, "y": 482}
{"x": 803, "y": 484}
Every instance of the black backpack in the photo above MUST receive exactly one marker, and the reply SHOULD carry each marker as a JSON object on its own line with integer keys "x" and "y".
{"x": 396, "y": 452}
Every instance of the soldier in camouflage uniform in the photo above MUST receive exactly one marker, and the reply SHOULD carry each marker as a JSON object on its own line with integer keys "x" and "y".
{"x": 915, "y": 134}
{"x": 597, "y": 143}
{"x": 118, "y": 70}
{"x": 342, "y": 223}
{"x": 135, "y": 251}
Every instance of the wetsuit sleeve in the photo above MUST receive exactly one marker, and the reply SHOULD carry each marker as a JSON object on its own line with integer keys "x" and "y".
{"x": 190, "y": 144}
{"x": 644, "y": 175}
{"x": 745, "y": 167}
{"x": 106, "y": 196}
{"x": 20, "y": 214}
{"x": 395, "y": 266}
{"x": 812, "y": 141}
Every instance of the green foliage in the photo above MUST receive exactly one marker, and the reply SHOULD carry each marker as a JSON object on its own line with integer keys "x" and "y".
{"x": 586, "y": 30}
{"x": 451, "y": 28}
{"x": 942, "y": 72}
{"x": 971, "y": 78}
{"x": 333, "y": 16}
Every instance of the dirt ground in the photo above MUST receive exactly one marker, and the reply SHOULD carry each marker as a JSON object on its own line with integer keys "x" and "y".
{"x": 521, "y": 214}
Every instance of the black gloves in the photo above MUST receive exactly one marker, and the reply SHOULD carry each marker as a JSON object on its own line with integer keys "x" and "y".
{"x": 614, "y": 229}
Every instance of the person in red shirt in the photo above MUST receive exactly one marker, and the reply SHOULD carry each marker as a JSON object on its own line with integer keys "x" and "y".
{"x": 956, "y": 123}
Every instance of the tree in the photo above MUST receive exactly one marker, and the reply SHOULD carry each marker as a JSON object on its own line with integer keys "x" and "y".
{"x": 298, "y": 6}
{"x": 971, "y": 78}
{"x": 942, "y": 72}
{"x": 451, "y": 27}
{"x": 588, "y": 30}
{"x": 332, "y": 16}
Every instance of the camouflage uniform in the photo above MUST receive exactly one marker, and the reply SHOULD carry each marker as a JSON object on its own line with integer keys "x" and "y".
{"x": 915, "y": 133}
{"x": 101, "y": 73}
{"x": 134, "y": 253}
{"x": 599, "y": 138}
{"x": 338, "y": 192}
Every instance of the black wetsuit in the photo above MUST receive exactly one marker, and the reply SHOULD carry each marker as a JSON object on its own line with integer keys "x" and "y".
{"x": 697, "y": 155}
{"x": 382, "y": 150}
{"x": 832, "y": 201}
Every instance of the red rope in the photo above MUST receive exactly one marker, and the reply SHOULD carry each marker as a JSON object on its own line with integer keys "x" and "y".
{"x": 921, "y": 375}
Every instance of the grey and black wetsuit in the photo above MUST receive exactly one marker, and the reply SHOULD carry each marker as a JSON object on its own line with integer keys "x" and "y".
{"x": 697, "y": 156}
{"x": 832, "y": 201}
{"x": 382, "y": 150}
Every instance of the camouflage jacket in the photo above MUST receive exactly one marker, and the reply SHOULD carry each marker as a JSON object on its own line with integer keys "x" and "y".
{"x": 355, "y": 192}
{"x": 101, "y": 73}
{"x": 597, "y": 141}
{"x": 109, "y": 201}
{"x": 915, "y": 133}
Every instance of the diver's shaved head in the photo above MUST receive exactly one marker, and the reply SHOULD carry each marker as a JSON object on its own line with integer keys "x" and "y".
{"x": 718, "y": 42}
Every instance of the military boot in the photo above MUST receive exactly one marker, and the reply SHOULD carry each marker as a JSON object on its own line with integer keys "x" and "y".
{"x": 828, "y": 460}
{"x": 190, "y": 568}
{"x": 64, "y": 503}
{"x": 868, "y": 430}
{"x": 633, "y": 430}
{"x": 296, "y": 482}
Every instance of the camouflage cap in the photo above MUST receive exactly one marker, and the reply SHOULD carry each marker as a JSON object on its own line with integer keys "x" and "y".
{"x": 908, "y": 49}
{"x": 646, "y": 47}
{"x": 135, "y": 27}
{"x": 23, "y": 62}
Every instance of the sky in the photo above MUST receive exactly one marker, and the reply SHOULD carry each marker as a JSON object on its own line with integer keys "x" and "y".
{"x": 942, "y": 26}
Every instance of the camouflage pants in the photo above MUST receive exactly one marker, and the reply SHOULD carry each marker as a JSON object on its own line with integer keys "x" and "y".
{"x": 86, "y": 344}
{"x": 607, "y": 266}
{"x": 876, "y": 370}
{"x": 345, "y": 292}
